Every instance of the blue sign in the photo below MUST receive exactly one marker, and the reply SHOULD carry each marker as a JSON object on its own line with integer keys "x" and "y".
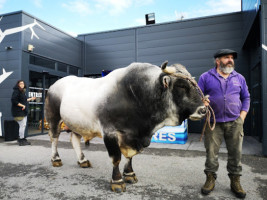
{"x": 171, "y": 134}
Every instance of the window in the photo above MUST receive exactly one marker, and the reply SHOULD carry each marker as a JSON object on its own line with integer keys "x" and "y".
{"x": 42, "y": 62}
{"x": 62, "y": 67}
{"x": 51, "y": 64}
{"x": 73, "y": 70}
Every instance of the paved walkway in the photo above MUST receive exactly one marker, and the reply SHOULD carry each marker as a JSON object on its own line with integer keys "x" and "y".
{"x": 164, "y": 171}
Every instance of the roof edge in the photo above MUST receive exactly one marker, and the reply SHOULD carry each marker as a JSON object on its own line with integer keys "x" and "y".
{"x": 163, "y": 23}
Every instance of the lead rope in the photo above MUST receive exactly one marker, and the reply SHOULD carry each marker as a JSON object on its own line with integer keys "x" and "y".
{"x": 209, "y": 109}
{"x": 207, "y": 121}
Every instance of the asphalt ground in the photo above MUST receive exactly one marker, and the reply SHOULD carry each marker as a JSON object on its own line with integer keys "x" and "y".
{"x": 163, "y": 173}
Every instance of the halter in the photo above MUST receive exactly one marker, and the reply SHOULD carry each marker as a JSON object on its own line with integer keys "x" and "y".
{"x": 203, "y": 98}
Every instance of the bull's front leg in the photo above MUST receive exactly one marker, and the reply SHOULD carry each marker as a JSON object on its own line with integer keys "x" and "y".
{"x": 117, "y": 183}
{"x": 128, "y": 173}
{"x": 76, "y": 144}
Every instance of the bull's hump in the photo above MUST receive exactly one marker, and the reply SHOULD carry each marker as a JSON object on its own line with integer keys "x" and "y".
{"x": 143, "y": 72}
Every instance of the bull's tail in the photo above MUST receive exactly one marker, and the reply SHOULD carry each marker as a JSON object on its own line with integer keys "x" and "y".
{"x": 52, "y": 114}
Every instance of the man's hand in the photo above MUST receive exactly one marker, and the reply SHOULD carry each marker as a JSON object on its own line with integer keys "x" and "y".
{"x": 206, "y": 100}
{"x": 243, "y": 115}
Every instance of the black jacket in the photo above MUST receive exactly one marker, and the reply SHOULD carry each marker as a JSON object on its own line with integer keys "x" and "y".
{"x": 18, "y": 97}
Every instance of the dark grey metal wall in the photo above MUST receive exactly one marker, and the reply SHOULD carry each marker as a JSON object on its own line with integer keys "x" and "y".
{"x": 189, "y": 42}
{"x": 10, "y": 61}
{"x": 249, "y": 9}
{"x": 108, "y": 50}
{"x": 53, "y": 43}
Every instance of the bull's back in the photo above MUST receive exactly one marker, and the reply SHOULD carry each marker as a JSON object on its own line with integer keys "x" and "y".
{"x": 76, "y": 99}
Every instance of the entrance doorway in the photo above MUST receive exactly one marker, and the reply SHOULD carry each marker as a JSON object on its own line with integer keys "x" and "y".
{"x": 38, "y": 86}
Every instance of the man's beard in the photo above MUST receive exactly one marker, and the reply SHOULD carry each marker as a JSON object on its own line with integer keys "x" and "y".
{"x": 228, "y": 68}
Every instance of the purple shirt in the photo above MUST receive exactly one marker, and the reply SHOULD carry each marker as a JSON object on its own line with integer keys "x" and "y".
{"x": 228, "y": 97}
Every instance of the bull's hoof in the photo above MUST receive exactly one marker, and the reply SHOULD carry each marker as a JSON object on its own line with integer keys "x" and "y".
{"x": 118, "y": 186}
{"x": 56, "y": 163}
{"x": 130, "y": 178}
{"x": 85, "y": 164}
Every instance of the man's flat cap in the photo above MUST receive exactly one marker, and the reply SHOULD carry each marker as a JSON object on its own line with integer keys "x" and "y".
{"x": 224, "y": 52}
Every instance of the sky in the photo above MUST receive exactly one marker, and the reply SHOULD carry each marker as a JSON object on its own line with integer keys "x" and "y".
{"x": 90, "y": 16}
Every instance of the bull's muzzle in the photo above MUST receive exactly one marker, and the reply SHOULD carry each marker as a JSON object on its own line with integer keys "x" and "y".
{"x": 200, "y": 112}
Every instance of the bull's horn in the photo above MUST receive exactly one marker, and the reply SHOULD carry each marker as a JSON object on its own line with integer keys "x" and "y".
{"x": 167, "y": 70}
{"x": 164, "y": 64}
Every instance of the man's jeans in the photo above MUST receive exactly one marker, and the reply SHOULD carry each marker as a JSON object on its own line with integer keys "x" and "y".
{"x": 232, "y": 132}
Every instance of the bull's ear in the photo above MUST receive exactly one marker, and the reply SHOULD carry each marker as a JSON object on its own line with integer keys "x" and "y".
{"x": 164, "y": 64}
{"x": 166, "y": 81}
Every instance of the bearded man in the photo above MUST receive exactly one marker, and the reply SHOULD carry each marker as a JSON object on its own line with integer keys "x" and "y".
{"x": 230, "y": 99}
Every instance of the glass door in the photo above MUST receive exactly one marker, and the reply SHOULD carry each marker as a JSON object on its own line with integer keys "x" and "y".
{"x": 38, "y": 87}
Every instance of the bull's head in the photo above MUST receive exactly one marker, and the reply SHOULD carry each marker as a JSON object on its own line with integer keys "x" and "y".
{"x": 184, "y": 91}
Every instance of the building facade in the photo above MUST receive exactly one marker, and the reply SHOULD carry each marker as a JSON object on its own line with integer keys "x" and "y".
{"x": 189, "y": 42}
{"x": 33, "y": 51}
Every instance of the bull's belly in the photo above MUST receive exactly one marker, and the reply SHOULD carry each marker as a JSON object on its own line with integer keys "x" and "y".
{"x": 88, "y": 134}
{"x": 81, "y": 121}
{"x": 87, "y": 130}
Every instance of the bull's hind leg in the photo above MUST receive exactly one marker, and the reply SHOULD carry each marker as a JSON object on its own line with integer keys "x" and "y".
{"x": 128, "y": 173}
{"x": 76, "y": 143}
{"x": 53, "y": 118}
{"x": 117, "y": 183}
{"x": 56, "y": 161}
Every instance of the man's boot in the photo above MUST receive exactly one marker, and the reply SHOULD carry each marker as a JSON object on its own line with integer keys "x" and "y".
{"x": 236, "y": 186}
{"x": 209, "y": 184}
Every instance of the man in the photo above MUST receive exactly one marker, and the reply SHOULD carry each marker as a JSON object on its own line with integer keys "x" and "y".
{"x": 230, "y": 100}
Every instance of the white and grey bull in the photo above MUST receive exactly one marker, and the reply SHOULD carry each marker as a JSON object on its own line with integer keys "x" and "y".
{"x": 125, "y": 107}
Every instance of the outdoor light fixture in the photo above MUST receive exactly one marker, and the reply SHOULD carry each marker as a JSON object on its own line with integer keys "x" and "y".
{"x": 8, "y": 48}
{"x": 150, "y": 18}
{"x": 30, "y": 47}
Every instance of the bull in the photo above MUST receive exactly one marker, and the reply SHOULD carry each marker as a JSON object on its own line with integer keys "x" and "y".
{"x": 126, "y": 107}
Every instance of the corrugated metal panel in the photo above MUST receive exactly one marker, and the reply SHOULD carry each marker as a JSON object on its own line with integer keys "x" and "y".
{"x": 108, "y": 51}
{"x": 250, "y": 9}
{"x": 9, "y": 60}
{"x": 191, "y": 43}
{"x": 181, "y": 42}
{"x": 53, "y": 43}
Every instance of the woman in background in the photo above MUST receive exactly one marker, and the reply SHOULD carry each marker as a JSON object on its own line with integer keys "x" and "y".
{"x": 20, "y": 109}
